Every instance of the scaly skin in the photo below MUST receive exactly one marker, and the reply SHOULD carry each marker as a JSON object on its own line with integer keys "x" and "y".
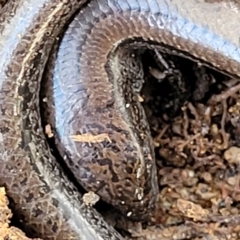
{"x": 123, "y": 169}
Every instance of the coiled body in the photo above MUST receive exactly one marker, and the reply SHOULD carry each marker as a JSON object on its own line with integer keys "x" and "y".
{"x": 91, "y": 77}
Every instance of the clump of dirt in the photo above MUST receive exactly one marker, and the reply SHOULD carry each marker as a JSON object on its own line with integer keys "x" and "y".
{"x": 7, "y": 232}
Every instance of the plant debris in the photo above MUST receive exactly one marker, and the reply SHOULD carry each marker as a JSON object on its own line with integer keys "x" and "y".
{"x": 89, "y": 138}
{"x": 198, "y": 157}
